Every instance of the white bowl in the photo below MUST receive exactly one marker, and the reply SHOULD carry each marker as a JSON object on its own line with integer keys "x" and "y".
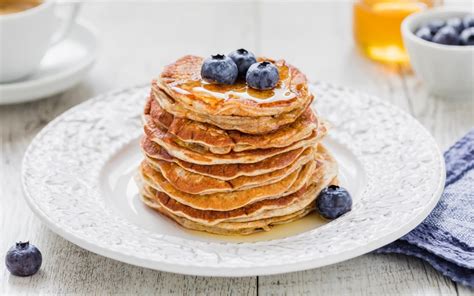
{"x": 446, "y": 70}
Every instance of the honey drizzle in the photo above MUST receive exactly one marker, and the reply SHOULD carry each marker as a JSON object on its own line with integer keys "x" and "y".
{"x": 213, "y": 93}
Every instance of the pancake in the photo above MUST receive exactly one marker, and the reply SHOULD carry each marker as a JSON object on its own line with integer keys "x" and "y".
{"x": 226, "y": 228}
{"x": 172, "y": 145}
{"x": 255, "y": 211}
{"x": 154, "y": 152}
{"x": 249, "y": 125}
{"x": 182, "y": 81}
{"x": 230, "y": 228}
{"x": 227, "y": 201}
{"x": 325, "y": 175}
{"x": 219, "y": 141}
{"x": 213, "y": 217}
{"x": 194, "y": 183}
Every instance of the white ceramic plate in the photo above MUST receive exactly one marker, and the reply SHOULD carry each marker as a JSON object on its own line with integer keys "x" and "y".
{"x": 78, "y": 178}
{"x": 63, "y": 66}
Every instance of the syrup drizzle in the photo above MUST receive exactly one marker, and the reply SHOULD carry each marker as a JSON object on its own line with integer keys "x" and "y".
{"x": 216, "y": 92}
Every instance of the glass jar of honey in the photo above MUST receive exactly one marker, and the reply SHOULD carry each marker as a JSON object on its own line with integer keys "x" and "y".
{"x": 376, "y": 25}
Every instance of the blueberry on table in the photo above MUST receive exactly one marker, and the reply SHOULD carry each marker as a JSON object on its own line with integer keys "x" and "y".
{"x": 219, "y": 69}
{"x": 435, "y": 25}
{"x": 262, "y": 76}
{"x": 456, "y": 23}
{"x": 23, "y": 259}
{"x": 333, "y": 201}
{"x": 446, "y": 35}
{"x": 243, "y": 59}
{"x": 424, "y": 33}
{"x": 468, "y": 21}
{"x": 467, "y": 36}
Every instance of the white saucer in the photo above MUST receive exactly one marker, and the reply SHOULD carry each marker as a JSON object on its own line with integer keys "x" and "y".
{"x": 64, "y": 65}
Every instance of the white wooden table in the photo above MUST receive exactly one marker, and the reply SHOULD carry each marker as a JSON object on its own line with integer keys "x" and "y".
{"x": 137, "y": 40}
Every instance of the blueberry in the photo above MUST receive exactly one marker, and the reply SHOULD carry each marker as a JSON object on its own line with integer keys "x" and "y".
{"x": 219, "y": 69}
{"x": 424, "y": 33}
{"x": 446, "y": 35}
{"x": 243, "y": 59}
{"x": 467, "y": 36}
{"x": 333, "y": 201}
{"x": 468, "y": 21}
{"x": 435, "y": 25}
{"x": 262, "y": 76}
{"x": 23, "y": 259}
{"x": 456, "y": 23}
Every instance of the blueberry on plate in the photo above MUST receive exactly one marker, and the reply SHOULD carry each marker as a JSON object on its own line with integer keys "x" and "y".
{"x": 333, "y": 201}
{"x": 23, "y": 259}
{"x": 446, "y": 35}
{"x": 262, "y": 76}
{"x": 243, "y": 59}
{"x": 219, "y": 69}
{"x": 435, "y": 25}
{"x": 456, "y": 23}
{"x": 467, "y": 36}
{"x": 468, "y": 21}
{"x": 424, "y": 33}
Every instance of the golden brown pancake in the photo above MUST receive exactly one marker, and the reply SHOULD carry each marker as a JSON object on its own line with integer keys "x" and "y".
{"x": 182, "y": 81}
{"x": 194, "y": 183}
{"x": 249, "y": 125}
{"x": 177, "y": 149}
{"x": 219, "y": 141}
{"x": 226, "y": 228}
{"x": 155, "y": 152}
{"x": 230, "y": 200}
{"x": 250, "y": 211}
{"x": 218, "y": 216}
{"x": 230, "y": 228}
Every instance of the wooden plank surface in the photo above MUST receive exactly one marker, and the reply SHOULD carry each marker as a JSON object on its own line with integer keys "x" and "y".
{"x": 137, "y": 40}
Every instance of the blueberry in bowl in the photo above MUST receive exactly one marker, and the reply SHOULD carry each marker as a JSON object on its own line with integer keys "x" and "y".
{"x": 435, "y": 25}
{"x": 467, "y": 36}
{"x": 468, "y": 21}
{"x": 456, "y": 23}
{"x": 262, "y": 76}
{"x": 243, "y": 59}
{"x": 333, "y": 202}
{"x": 23, "y": 259}
{"x": 424, "y": 33}
{"x": 219, "y": 69}
{"x": 446, "y": 35}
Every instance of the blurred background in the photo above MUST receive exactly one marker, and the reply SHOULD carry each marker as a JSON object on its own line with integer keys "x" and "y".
{"x": 327, "y": 40}
{"x": 317, "y": 36}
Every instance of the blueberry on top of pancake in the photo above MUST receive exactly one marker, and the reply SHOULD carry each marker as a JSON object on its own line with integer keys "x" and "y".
{"x": 262, "y": 76}
{"x": 219, "y": 69}
{"x": 243, "y": 59}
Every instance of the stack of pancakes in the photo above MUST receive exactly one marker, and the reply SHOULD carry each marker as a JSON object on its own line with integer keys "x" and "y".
{"x": 229, "y": 159}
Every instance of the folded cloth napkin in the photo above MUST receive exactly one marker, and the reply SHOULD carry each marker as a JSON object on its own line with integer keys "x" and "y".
{"x": 445, "y": 239}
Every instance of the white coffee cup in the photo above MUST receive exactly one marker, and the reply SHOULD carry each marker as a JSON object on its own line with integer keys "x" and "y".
{"x": 26, "y": 36}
